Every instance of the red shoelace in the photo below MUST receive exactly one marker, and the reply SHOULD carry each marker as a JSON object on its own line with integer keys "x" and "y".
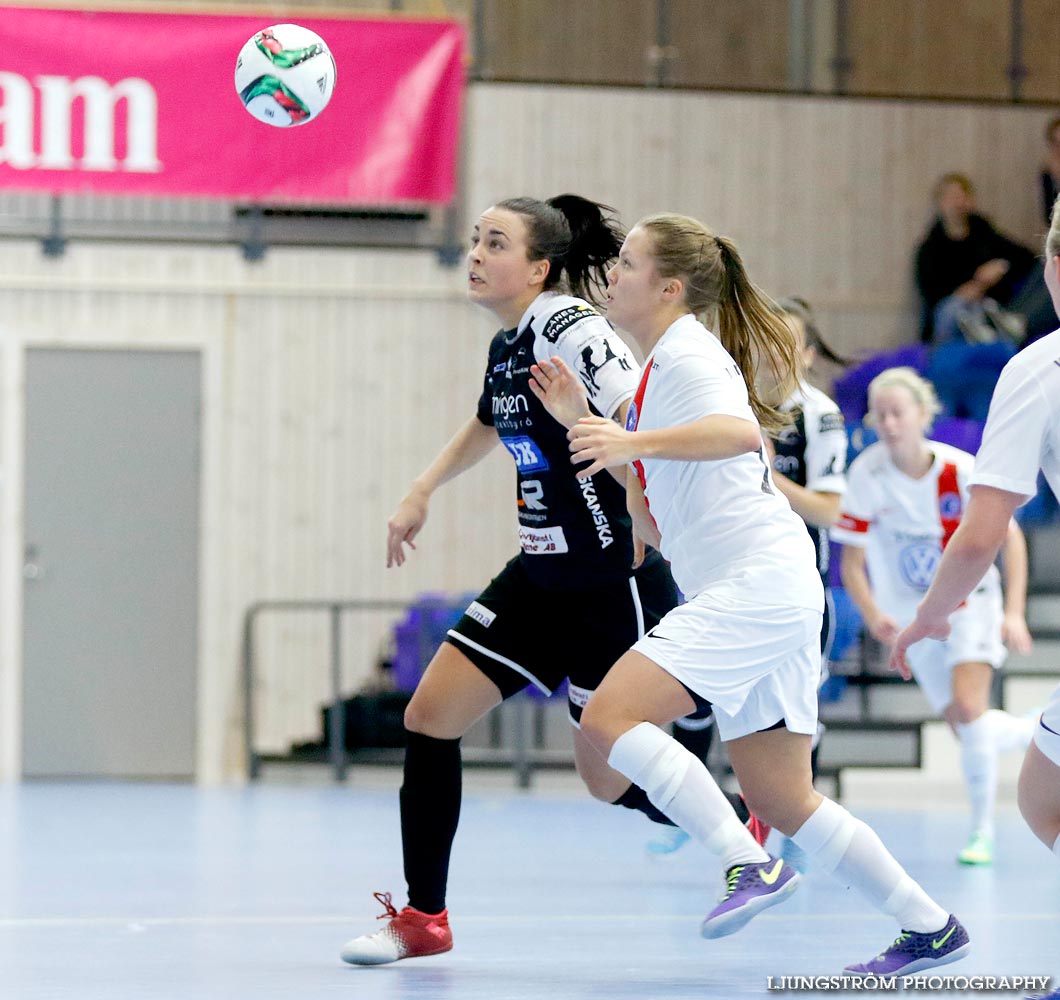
{"x": 385, "y": 900}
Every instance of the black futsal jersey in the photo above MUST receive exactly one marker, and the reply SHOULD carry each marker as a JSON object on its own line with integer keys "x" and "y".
{"x": 572, "y": 533}
{"x": 813, "y": 453}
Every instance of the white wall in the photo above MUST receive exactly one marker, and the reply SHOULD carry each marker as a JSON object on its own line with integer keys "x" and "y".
{"x": 333, "y": 376}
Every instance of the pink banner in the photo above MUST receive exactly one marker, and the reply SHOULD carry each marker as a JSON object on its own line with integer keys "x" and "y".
{"x": 144, "y": 104}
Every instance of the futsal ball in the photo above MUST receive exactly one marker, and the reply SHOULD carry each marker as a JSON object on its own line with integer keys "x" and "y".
{"x": 285, "y": 75}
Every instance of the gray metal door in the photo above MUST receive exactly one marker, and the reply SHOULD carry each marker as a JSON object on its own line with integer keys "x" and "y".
{"x": 111, "y": 567}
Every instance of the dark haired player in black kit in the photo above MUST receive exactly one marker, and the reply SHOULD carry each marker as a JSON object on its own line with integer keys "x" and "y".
{"x": 536, "y": 266}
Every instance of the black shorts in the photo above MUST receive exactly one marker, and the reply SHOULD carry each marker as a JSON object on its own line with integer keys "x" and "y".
{"x": 518, "y": 633}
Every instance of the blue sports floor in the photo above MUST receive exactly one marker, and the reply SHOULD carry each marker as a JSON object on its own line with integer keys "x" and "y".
{"x": 139, "y": 891}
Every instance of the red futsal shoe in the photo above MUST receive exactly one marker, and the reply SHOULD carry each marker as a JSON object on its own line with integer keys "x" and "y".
{"x": 409, "y": 934}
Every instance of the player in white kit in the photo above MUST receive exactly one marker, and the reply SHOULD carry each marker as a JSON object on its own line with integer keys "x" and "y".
{"x": 1022, "y": 436}
{"x": 905, "y": 498}
{"x": 747, "y": 640}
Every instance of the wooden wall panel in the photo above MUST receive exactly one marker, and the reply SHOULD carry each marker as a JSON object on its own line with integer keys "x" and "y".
{"x": 826, "y": 198}
{"x": 334, "y": 376}
{"x": 733, "y": 45}
{"x": 592, "y": 41}
{"x": 1041, "y": 50}
{"x": 947, "y": 48}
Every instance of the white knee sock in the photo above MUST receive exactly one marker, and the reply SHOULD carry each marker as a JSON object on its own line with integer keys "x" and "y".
{"x": 1009, "y": 732}
{"x": 1056, "y": 847}
{"x": 680, "y": 785}
{"x": 979, "y": 763}
{"x": 848, "y": 849}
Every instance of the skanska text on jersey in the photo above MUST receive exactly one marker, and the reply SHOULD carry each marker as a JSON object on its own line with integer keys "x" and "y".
{"x": 603, "y": 526}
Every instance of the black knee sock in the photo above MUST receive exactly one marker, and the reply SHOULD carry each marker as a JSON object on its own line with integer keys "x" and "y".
{"x": 696, "y": 741}
{"x": 635, "y": 797}
{"x": 738, "y": 804}
{"x": 430, "y": 811}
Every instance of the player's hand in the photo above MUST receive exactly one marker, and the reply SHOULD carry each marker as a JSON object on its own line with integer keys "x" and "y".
{"x": 883, "y": 628}
{"x": 990, "y": 273}
{"x": 1015, "y": 634}
{"x": 404, "y": 525}
{"x": 601, "y": 442}
{"x": 560, "y": 391}
{"x": 639, "y": 550}
{"x": 915, "y": 632}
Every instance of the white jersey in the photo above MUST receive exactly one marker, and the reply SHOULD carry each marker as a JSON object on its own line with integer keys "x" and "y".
{"x": 723, "y": 523}
{"x": 1022, "y": 436}
{"x": 904, "y": 523}
{"x": 1023, "y": 427}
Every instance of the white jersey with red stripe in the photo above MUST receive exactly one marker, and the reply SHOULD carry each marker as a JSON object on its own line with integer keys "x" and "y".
{"x": 724, "y": 525}
{"x": 904, "y": 523}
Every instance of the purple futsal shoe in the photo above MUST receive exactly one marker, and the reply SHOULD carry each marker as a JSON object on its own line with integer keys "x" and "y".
{"x": 750, "y": 889}
{"x": 913, "y": 952}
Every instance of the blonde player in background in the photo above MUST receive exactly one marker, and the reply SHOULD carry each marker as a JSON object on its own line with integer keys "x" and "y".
{"x": 906, "y": 495}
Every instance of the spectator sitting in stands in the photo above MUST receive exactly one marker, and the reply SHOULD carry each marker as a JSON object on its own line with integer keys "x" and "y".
{"x": 966, "y": 270}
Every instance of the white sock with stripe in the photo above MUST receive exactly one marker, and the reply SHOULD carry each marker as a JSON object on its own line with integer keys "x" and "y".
{"x": 979, "y": 764}
{"x": 679, "y": 785}
{"x": 847, "y": 848}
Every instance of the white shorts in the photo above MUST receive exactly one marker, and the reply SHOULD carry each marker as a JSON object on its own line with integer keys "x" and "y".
{"x": 975, "y": 637}
{"x": 755, "y": 665}
{"x": 1047, "y": 734}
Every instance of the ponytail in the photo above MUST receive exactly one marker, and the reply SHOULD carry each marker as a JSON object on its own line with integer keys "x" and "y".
{"x": 718, "y": 290}
{"x": 754, "y": 335}
{"x": 579, "y": 238}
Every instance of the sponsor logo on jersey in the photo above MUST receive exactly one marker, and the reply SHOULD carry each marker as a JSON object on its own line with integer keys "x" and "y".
{"x": 832, "y": 422}
{"x": 527, "y": 455}
{"x": 542, "y": 541}
{"x": 506, "y": 405}
{"x": 481, "y": 614}
{"x": 918, "y": 562}
{"x": 588, "y": 365}
{"x": 786, "y": 464}
{"x": 531, "y": 492}
{"x": 603, "y": 526}
{"x": 578, "y": 696}
{"x": 950, "y": 505}
{"x": 631, "y": 416}
{"x": 565, "y": 319}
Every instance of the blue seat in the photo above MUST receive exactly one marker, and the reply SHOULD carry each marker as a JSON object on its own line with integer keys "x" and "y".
{"x": 964, "y": 376}
{"x": 851, "y": 389}
{"x": 960, "y": 432}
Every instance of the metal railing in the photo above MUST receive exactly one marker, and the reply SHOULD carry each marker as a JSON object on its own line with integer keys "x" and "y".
{"x": 521, "y": 758}
{"x": 336, "y": 709}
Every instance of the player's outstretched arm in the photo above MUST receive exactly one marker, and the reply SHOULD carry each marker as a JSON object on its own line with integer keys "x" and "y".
{"x": 467, "y": 447}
